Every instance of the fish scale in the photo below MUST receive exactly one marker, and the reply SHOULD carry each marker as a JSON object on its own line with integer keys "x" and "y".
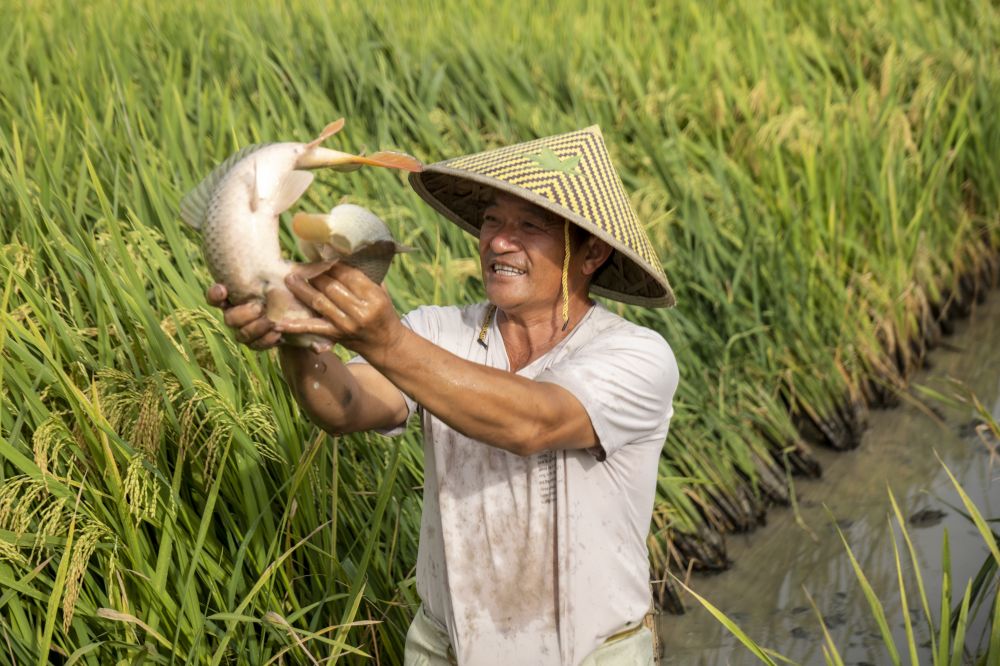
{"x": 237, "y": 207}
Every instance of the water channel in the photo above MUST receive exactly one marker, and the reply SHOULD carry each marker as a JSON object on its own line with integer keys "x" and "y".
{"x": 763, "y": 591}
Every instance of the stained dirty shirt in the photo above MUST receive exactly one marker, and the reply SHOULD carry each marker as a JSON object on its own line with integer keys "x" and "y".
{"x": 538, "y": 560}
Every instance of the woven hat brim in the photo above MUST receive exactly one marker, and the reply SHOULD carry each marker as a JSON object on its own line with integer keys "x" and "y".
{"x": 623, "y": 278}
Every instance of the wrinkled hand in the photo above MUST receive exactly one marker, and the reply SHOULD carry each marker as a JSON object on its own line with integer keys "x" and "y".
{"x": 250, "y": 325}
{"x": 354, "y": 311}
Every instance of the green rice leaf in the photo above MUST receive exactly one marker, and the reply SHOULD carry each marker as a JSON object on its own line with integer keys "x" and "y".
{"x": 873, "y": 602}
{"x": 748, "y": 642}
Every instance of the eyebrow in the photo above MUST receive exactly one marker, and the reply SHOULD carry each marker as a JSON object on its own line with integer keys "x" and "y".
{"x": 548, "y": 219}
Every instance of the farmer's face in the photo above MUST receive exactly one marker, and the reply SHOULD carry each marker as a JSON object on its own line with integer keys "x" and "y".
{"x": 521, "y": 253}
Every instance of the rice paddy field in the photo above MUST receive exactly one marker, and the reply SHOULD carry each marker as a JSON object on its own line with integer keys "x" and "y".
{"x": 821, "y": 181}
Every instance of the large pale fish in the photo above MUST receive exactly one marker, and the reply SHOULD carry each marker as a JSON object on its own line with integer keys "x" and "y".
{"x": 350, "y": 234}
{"x": 236, "y": 208}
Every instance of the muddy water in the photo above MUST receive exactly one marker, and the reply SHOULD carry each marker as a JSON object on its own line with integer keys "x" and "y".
{"x": 763, "y": 592}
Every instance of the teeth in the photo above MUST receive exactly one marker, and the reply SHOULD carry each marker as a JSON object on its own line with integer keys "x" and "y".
{"x": 506, "y": 270}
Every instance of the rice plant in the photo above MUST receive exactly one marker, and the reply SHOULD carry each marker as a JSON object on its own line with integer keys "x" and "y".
{"x": 820, "y": 179}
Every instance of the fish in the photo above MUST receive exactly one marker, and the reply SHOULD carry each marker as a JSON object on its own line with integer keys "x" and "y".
{"x": 237, "y": 207}
{"x": 350, "y": 234}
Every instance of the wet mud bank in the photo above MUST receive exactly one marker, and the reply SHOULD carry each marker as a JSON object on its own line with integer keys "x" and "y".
{"x": 934, "y": 320}
{"x": 800, "y": 549}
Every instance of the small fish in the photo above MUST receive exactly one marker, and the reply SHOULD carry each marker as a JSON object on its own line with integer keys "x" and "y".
{"x": 236, "y": 208}
{"x": 348, "y": 233}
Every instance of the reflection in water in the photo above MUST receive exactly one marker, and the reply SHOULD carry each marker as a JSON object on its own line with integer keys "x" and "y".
{"x": 763, "y": 591}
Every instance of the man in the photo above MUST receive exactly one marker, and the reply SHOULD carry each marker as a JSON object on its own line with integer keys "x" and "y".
{"x": 543, "y": 413}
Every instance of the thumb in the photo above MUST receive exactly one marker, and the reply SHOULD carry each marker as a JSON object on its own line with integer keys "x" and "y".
{"x": 216, "y": 295}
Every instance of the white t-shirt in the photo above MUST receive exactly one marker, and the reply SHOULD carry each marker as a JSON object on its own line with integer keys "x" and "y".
{"x": 538, "y": 560}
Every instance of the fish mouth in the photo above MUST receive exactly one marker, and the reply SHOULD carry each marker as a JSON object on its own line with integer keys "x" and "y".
{"x": 342, "y": 244}
{"x": 312, "y": 227}
{"x": 316, "y": 228}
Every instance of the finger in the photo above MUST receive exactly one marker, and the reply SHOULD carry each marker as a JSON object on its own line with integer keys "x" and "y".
{"x": 255, "y": 329}
{"x": 239, "y": 316}
{"x": 320, "y": 327}
{"x": 337, "y": 292}
{"x": 314, "y": 299}
{"x": 321, "y": 282}
{"x": 266, "y": 341}
{"x": 320, "y": 346}
{"x": 216, "y": 295}
{"x": 352, "y": 277}
{"x": 325, "y": 281}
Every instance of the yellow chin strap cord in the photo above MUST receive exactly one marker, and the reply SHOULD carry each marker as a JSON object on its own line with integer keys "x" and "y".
{"x": 565, "y": 276}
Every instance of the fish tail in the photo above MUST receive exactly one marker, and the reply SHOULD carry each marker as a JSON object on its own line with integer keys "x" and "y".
{"x": 392, "y": 160}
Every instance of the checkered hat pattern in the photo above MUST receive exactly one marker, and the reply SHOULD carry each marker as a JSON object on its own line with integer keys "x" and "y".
{"x": 570, "y": 175}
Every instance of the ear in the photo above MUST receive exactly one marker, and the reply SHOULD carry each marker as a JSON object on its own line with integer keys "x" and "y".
{"x": 594, "y": 252}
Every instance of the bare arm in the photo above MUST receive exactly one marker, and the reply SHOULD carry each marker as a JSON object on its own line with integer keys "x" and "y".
{"x": 496, "y": 407}
{"x": 337, "y": 397}
{"x": 492, "y": 406}
{"x": 341, "y": 398}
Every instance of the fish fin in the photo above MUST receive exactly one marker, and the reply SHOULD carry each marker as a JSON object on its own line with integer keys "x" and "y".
{"x": 311, "y": 227}
{"x": 313, "y": 268}
{"x": 327, "y": 132}
{"x": 392, "y": 160}
{"x": 194, "y": 205}
{"x": 193, "y": 209}
{"x": 386, "y": 158}
{"x": 292, "y": 186}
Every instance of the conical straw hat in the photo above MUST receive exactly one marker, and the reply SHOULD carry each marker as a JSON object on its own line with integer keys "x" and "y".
{"x": 572, "y": 176}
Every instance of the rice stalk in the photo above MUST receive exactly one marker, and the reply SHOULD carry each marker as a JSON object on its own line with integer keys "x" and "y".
{"x": 820, "y": 181}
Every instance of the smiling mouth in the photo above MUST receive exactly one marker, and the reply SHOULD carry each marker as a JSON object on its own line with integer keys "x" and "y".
{"x": 506, "y": 271}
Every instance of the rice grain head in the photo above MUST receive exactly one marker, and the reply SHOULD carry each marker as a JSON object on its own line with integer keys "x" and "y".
{"x": 53, "y": 521}
{"x": 48, "y": 443}
{"x": 9, "y": 552}
{"x": 83, "y": 549}
{"x": 17, "y": 495}
{"x": 139, "y": 489}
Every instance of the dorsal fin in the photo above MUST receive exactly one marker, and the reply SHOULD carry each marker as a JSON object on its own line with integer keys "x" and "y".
{"x": 195, "y": 203}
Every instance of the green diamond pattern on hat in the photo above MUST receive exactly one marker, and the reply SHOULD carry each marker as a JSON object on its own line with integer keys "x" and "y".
{"x": 571, "y": 175}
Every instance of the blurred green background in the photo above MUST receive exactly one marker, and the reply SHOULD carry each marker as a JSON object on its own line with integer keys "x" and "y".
{"x": 820, "y": 179}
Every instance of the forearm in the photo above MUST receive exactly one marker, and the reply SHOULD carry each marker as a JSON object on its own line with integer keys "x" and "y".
{"x": 323, "y": 387}
{"x": 493, "y": 406}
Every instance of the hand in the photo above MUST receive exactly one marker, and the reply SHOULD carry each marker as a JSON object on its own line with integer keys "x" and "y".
{"x": 354, "y": 311}
{"x": 247, "y": 320}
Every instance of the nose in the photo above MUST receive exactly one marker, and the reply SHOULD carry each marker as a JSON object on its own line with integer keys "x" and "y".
{"x": 502, "y": 239}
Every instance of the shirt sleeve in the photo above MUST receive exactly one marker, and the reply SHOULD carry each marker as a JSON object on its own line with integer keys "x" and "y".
{"x": 421, "y": 322}
{"x": 625, "y": 382}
